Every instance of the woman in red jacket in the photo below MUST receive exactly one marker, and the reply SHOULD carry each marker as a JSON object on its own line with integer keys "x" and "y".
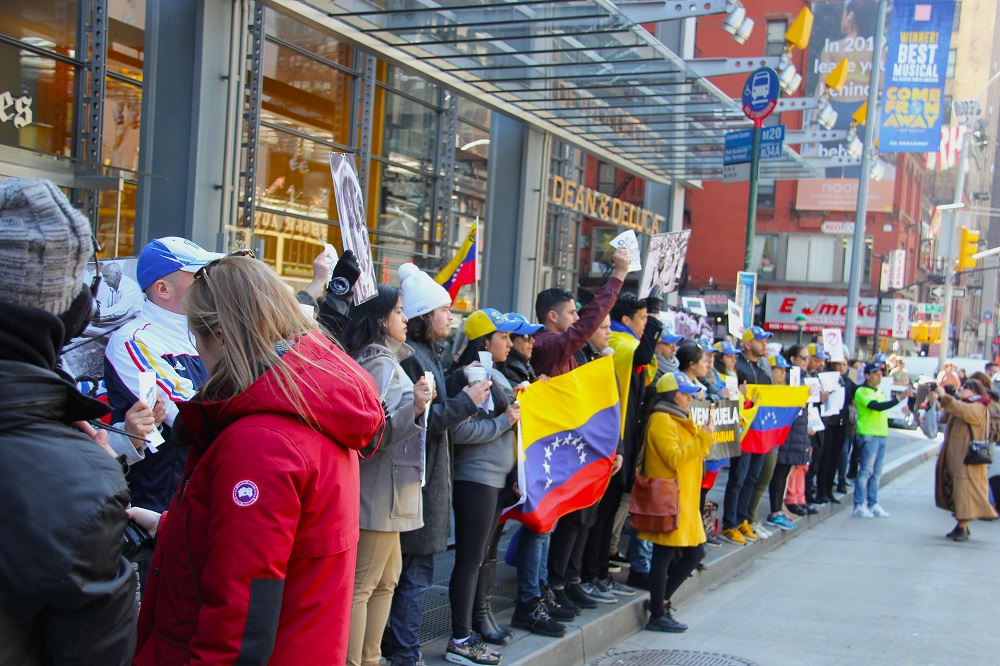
{"x": 255, "y": 558}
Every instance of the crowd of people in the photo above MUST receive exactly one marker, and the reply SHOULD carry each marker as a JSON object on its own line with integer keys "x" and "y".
{"x": 302, "y": 460}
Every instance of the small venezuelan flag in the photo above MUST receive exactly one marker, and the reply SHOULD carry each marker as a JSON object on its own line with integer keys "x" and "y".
{"x": 767, "y": 422}
{"x": 461, "y": 270}
{"x": 569, "y": 435}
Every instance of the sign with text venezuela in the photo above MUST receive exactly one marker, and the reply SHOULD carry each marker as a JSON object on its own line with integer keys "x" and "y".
{"x": 915, "y": 68}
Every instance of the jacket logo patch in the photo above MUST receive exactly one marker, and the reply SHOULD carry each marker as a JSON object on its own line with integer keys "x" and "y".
{"x": 245, "y": 493}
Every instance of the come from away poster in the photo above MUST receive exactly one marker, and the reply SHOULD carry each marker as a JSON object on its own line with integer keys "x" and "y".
{"x": 915, "y": 70}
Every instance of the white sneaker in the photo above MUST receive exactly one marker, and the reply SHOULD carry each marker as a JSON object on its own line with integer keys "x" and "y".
{"x": 861, "y": 511}
{"x": 877, "y": 511}
{"x": 760, "y": 531}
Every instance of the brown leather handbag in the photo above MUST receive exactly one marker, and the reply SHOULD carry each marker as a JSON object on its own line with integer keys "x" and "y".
{"x": 654, "y": 503}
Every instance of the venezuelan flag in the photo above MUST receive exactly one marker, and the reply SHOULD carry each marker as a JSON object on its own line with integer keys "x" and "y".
{"x": 461, "y": 270}
{"x": 569, "y": 435}
{"x": 767, "y": 422}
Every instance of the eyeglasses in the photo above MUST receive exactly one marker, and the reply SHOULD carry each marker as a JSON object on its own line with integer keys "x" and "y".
{"x": 802, "y": 358}
{"x": 203, "y": 271}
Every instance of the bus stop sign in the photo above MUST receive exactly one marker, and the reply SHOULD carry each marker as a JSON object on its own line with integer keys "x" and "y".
{"x": 760, "y": 94}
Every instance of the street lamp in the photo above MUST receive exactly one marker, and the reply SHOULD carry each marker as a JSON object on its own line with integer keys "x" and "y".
{"x": 800, "y": 321}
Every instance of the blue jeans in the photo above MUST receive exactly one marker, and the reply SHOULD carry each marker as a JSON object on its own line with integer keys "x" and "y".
{"x": 403, "y": 639}
{"x": 743, "y": 474}
{"x": 870, "y": 460}
{"x": 640, "y": 553}
{"x": 532, "y": 565}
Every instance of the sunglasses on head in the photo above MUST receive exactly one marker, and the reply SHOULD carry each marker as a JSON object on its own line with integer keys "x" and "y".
{"x": 203, "y": 271}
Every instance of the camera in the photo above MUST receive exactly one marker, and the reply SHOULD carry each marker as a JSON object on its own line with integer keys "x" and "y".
{"x": 138, "y": 544}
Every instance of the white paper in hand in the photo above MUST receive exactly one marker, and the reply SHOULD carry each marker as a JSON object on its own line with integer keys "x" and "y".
{"x": 631, "y": 243}
{"x": 429, "y": 376}
{"x": 148, "y": 393}
{"x": 486, "y": 360}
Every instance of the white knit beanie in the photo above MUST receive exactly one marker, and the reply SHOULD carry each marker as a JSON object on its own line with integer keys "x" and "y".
{"x": 45, "y": 244}
{"x": 421, "y": 294}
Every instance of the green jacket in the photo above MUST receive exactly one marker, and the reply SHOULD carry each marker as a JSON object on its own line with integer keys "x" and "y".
{"x": 872, "y": 421}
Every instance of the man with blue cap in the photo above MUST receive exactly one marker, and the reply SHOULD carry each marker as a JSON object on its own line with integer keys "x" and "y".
{"x": 157, "y": 340}
{"x": 666, "y": 352}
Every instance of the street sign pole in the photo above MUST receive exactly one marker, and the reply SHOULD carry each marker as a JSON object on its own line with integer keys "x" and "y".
{"x": 760, "y": 97}
{"x": 858, "y": 247}
{"x": 752, "y": 203}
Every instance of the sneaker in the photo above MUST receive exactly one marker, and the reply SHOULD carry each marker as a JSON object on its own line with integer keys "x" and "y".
{"x": 747, "y": 531}
{"x": 842, "y": 488}
{"x": 612, "y": 586}
{"x": 759, "y": 530}
{"x": 576, "y": 594}
{"x": 781, "y": 522}
{"x": 472, "y": 652}
{"x": 733, "y": 535}
{"x": 878, "y": 511}
{"x": 712, "y": 541}
{"x": 861, "y": 511}
{"x": 555, "y": 609}
{"x": 563, "y": 600}
{"x": 614, "y": 568}
{"x": 594, "y": 592}
{"x": 534, "y": 617}
{"x": 618, "y": 558}
{"x": 798, "y": 509}
{"x": 666, "y": 624}
{"x": 399, "y": 661}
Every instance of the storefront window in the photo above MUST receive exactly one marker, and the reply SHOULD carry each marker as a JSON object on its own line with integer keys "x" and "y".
{"x": 410, "y": 132}
{"x": 36, "y": 101}
{"x": 120, "y": 135}
{"x": 405, "y": 209}
{"x": 765, "y": 253}
{"x": 116, "y": 222}
{"x": 562, "y": 225}
{"x": 47, "y": 24}
{"x": 126, "y": 37}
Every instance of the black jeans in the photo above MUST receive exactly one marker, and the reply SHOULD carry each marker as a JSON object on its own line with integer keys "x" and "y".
{"x": 776, "y": 489}
{"x": 595, "y": 554}
{"x": 477, "y": 510}
{"x": 671, "y": 566}
{"x": 569, "y": 539}
{"x": 817, "y": 442}
{"x": 833, "y": 444}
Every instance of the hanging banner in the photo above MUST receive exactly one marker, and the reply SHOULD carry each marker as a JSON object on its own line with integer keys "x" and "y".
{"x": 915, "y": 70}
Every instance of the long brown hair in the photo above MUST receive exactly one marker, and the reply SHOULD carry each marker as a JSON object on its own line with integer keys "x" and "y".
{"x": 252, "y": 312}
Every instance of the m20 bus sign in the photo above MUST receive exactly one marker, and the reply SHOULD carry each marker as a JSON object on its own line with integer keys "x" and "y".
{"x": 760, "y": 94}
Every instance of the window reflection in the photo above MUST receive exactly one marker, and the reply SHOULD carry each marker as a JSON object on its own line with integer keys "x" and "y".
{"x": 122, "y": 111}
{"x": 47, "y": 24}
{"x": 36, "y": 94}
{"x": 126, "y": 37}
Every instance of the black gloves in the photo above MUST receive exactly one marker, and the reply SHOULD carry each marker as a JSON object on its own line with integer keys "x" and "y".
{"x": 345, "y": 274}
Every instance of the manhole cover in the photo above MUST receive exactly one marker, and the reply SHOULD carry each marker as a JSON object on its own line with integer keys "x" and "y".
{"x": 671, "y": 658}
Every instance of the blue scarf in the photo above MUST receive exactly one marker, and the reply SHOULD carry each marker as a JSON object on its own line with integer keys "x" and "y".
{"x": 619, "y": 327}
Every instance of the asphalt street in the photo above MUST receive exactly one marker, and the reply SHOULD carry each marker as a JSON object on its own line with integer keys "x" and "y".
{"x": 856, "y": 591}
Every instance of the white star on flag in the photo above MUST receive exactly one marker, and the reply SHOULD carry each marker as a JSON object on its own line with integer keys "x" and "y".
{"x": 548, "y": 453}
{"x": 548, "y": 482}
{"x": 583, "y": 457}
{"x": 546, "y": 467}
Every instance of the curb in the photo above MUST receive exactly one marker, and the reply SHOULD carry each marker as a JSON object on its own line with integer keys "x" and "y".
{"x": 599, "y": 630}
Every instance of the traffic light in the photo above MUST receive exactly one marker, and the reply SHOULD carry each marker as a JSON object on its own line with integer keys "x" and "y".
{"x": 934, "y": 333}
{"x": 918, "y": 331}
{"x": 968, "y": 246}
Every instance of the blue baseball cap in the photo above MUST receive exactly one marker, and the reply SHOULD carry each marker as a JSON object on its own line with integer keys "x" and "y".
{"x": 669, "y": 338}
{"x": 726, "y": 348}
{"x": 486, "y": 321}
{"x": 778, "y": 361}
{"x": 706, "y": 346}
{"x": 525, "y": 327}
{"x": 676, "y": 381}
{"x": 818, "y": 351}
{"x": 164, "y": 256}
{"x": 755, "y": 333}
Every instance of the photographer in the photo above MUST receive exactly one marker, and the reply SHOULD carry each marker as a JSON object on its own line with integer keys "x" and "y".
{"x": 66, "y": 593}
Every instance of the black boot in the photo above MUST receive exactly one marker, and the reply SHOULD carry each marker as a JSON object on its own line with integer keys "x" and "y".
{"x": 483, "y": 621}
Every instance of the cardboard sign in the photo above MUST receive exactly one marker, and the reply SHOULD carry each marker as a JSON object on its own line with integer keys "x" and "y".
{"x": 727, "y": 426}
{"x": 833, "y": 343}
{"x": 353, "y": 223}
{"x": 631, "y": 243}
{"x": 695, "y": 305}
{"x": 735, "y": 314}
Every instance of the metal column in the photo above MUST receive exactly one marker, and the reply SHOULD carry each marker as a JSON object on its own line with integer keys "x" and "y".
{"x": 243, "y": 236}
{"x": 92, "y": 30}
{"x": 446, "y": 174}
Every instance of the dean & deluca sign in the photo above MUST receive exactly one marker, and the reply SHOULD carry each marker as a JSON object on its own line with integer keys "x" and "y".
{"x": 603, "y": 207}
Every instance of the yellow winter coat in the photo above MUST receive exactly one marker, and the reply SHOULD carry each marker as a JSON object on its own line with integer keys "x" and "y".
{"x": 675, "y": 447}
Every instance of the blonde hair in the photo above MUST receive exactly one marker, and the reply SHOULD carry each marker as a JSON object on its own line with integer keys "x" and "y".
{"x": 247, "y": 306}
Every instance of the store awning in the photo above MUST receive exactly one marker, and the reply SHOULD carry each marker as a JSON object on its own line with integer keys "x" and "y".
{"x": 578, "y": 69}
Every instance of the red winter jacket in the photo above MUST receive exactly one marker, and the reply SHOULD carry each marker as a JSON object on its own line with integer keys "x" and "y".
{"x": 255, "y": 559}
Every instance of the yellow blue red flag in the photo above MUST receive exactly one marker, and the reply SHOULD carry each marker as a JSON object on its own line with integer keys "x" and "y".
{"x": 569, "y": 435}
{"x": 461, "y": 270}
{"x": 767, "y": 421}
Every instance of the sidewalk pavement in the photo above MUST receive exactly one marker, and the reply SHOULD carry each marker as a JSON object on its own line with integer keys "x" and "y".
{"x": 595, "y": 631}
{"x": 892, "y": 592}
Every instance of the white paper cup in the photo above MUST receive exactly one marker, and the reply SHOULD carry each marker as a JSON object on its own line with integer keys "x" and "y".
{"x": 475, "y": 374}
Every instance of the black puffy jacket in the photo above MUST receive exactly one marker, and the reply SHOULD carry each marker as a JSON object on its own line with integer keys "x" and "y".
{"x": 67, "y": 596}
{"x": 795, "y": 450}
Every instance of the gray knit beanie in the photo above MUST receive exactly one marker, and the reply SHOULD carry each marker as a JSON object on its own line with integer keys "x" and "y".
{"x": 45, "y": 244}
